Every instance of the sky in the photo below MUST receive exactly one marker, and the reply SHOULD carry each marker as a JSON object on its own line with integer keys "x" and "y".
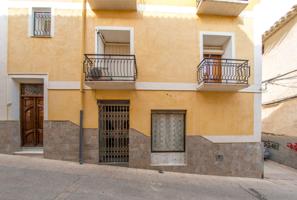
{"x": 272, "y": 11}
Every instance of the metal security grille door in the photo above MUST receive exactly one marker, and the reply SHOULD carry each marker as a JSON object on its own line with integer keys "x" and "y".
{"x": 114, "y": 132}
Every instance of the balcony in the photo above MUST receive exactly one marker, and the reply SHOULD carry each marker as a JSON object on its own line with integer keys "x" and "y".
{"x": 113, "y": 5}
{"x": 221, "y": 7}
{"x": 108, "y": 71}
{"x": 223, "y": 74}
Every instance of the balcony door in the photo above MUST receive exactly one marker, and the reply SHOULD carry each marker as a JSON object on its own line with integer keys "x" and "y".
{"x": 32, "y": 115}
{"x": 213, "y": 73}
{"x": 114, "y": 47}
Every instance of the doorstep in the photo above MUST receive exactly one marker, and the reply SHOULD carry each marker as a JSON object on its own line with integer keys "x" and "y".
{"x": 30, "y": 151}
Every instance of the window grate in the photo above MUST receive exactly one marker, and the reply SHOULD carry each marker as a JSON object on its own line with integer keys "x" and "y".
{"x": 42, "y": 24}
{"x": 168, "y": 131}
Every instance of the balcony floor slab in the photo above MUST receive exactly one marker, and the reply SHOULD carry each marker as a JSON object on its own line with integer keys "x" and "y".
{"x": 111, "y": 85}
{"x": 224, "y": 87}
{"x": 221, "y": 7}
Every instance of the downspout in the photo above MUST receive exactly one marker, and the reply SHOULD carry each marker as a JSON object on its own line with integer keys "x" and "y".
{"x": 81, "y": 113}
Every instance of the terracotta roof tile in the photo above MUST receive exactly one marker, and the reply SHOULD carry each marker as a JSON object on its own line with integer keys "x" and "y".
{"x": 280, "y": 23}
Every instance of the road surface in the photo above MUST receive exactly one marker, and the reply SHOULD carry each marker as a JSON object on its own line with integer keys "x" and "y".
{"x": 26, "y": 178}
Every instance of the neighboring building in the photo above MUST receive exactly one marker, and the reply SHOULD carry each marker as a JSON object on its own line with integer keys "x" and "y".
{"x": 279, "y": 119}
{"x": 169, "y": 85}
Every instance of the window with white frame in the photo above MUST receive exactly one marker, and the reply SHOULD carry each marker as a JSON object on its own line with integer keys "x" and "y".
{"x": 41, "y": 22}
{"x": 168, "y": 131}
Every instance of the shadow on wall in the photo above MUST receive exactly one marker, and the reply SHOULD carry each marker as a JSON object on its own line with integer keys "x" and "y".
{"x": 280, "y": 118}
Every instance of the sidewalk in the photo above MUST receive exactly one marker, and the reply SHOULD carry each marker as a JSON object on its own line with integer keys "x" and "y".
{"x": 24, "y": 178}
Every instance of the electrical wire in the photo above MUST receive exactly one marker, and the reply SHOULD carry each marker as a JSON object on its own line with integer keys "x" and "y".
{"x": 287, "y": 86}
{"x": 288, "y": 78}
{"x": 279, "y": 76}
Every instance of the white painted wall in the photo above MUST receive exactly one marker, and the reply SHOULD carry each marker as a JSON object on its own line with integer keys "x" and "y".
{"x": 265, "y": 18}
{"x": 3, "y": 60}
{"x": 227, "y": 49}
{"x": 280, "y": 51}
{"x": 257, "y": 16}
{"x": 279, "y": 58}
{"x": 13, "y": 100}
{"x": 100, "y": 45}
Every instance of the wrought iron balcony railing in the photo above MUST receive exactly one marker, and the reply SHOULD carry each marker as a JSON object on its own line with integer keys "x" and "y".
{"x": 232, "y": 71}
{"x": 108, "y": 67}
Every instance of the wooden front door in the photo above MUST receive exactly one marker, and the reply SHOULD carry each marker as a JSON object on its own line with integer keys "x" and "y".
{"x": 32, "y": 114}
{"x": 214, "y": 70}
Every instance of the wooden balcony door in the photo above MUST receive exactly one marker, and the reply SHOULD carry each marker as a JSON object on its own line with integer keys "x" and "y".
{"x": 32, "y": 115}
{"x": 214, "y": 69}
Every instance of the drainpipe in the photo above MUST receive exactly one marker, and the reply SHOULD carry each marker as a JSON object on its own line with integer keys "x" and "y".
{"x": 81, "y": 113}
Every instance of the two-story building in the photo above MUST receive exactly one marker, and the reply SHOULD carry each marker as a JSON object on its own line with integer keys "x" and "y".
{"x": 168, "y": 85}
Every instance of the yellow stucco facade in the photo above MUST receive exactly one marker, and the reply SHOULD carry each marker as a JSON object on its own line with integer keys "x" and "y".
{"x": 167, "y": 49}
{"x": 207, "y": 113}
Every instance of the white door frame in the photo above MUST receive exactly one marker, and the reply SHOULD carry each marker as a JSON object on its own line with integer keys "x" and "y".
{"x": 116, "y": 28}
{"x": 13, "y": 100}
{"x": 230, "y": 34}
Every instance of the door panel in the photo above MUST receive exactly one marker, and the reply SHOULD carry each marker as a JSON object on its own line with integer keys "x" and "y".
{"x": 32, "y": 114}
{"x": 28, "y": 105}
{"x": 39, "y": 121}
{"x": 214, "y": 70}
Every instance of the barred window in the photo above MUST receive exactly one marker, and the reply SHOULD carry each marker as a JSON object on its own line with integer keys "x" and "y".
{"x": 168, "y": 131}
{"x": 42, "y": 22}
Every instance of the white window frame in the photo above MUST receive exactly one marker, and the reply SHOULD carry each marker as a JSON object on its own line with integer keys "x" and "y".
{"x": 31, "y": 19}
{"x": 229, "y": 34}
{"x": 115, "y": 28}
{"x": 179, "y": 112}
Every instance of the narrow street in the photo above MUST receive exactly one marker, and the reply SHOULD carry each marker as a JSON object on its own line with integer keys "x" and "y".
{"x": 25, "y": 178}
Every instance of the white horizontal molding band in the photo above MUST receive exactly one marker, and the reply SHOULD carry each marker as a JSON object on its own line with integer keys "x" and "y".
{"x": 75, "y": 85}
{"x": 52, "y": 4}
{"x": 64, "y": 85}
{"x": 190, "y": 10}
{"x": 232, "y": 139}
{"x": 252, "y": 89}
{"x": 167, "y": 9}
{"x": 28, "y": 76}
{"x": 166, "y": 86}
